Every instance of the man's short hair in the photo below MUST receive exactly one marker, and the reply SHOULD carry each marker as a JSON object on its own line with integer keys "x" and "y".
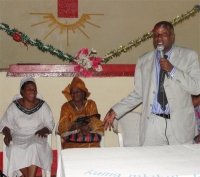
{"x": 165, "y": 23}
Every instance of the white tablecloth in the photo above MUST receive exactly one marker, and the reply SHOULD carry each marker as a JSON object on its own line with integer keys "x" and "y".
{"x": 148, "y": 161}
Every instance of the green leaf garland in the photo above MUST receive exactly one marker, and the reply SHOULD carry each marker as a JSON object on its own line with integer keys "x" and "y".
{"x": 21, "y": 37}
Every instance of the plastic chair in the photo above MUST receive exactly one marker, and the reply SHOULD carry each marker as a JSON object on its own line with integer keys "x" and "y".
{"x": 59, "y": 148}
{"x": 129, "y": 124}
{"x": 45, "y": 173}
{"x": 102, "y": 143}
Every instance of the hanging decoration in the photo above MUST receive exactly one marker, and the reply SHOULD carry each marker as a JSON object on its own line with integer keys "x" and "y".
{"x": 146, "y": 36}
{"x": 21, "y": 37}
{"x": 17, "y": 37}
{"x": 87, "y": 63}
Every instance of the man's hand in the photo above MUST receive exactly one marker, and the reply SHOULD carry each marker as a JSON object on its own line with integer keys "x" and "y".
{"x": 108, "y": 120}
{"x": 196, "y": 100}
{"x": 42, "y": 132}
{"x": 165, "y": 65}
{"x": 197, "y": 138}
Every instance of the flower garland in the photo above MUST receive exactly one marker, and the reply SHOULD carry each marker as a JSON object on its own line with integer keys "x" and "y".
{"x": 83, "y": 58}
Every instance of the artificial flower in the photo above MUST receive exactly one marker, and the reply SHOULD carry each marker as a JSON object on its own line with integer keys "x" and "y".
{"x": 87, "y": 63}
{"x": 81, "y": 53}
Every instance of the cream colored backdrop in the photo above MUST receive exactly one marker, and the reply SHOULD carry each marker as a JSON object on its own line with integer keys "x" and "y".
{"x": 123, "y": 21}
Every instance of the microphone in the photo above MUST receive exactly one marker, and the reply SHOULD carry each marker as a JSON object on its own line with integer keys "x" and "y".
{"x": 160, "y": 48}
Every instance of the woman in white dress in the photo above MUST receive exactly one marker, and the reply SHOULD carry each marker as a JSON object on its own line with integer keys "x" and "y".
{"x": 26, "y": 124}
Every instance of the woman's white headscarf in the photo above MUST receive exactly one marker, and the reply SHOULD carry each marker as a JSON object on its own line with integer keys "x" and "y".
{"x": 24, "y": 80}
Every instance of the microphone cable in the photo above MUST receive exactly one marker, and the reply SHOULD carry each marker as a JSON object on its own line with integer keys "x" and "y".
{"x": 166, "y": 131}
{"x": 163, "y": 116}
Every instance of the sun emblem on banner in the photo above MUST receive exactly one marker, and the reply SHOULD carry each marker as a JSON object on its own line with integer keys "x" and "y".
{"x": 77, "y": 26}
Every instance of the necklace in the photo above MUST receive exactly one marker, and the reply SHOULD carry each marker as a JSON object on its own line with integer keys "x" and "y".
{"x": 77, "y": 107}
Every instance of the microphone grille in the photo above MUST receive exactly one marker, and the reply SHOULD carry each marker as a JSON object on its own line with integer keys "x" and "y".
{"x": 160, "y": 47}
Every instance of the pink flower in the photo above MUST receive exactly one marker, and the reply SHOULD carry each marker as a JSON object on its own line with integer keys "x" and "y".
{"x": 77, "y": 68}
{"x": 95, "y": 64}
{"x": 99, "y": 59}
{"x": 82, "y": 52}
{"x": 95, "y": 61}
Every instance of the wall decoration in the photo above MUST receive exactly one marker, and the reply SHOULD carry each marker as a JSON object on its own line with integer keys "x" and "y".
{"x": 67, "y": 8}
{"x": 21, "y": 37}
{"x": 78, "y": 25}
{"x": 87, "y": 63}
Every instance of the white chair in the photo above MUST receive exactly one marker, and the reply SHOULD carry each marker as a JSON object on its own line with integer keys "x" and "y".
{"x": 102, "y": 143}
{"x": 129, "y": 134}
{"x": 59, "y": 148}
{"x": 5, "y": 159}
{"x": 46, "y": 173}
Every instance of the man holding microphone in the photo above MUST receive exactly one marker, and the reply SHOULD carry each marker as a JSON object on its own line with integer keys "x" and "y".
{"x": 165, "y": 79}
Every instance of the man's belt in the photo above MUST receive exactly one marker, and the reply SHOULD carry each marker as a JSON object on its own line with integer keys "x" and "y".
{"x": 166, "y": 116}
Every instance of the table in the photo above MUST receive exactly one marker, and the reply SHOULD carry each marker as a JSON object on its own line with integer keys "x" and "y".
{"x": 148, "y": 161}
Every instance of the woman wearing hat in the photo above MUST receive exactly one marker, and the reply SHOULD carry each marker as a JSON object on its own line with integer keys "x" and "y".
{"x": 26, "y": 123}
{"x": 80, "y": 125}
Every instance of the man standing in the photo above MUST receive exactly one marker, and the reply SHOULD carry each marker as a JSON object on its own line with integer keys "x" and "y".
{"x": 165, "y": 79}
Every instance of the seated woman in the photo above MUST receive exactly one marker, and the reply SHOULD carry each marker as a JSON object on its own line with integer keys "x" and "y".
{"x": 196, "y": 104}
{"x": 26, "y": 124}
{"x": 76, "y": 130}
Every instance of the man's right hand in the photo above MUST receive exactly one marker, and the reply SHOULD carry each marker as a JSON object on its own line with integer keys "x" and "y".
{"x": 108, "y": 120}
